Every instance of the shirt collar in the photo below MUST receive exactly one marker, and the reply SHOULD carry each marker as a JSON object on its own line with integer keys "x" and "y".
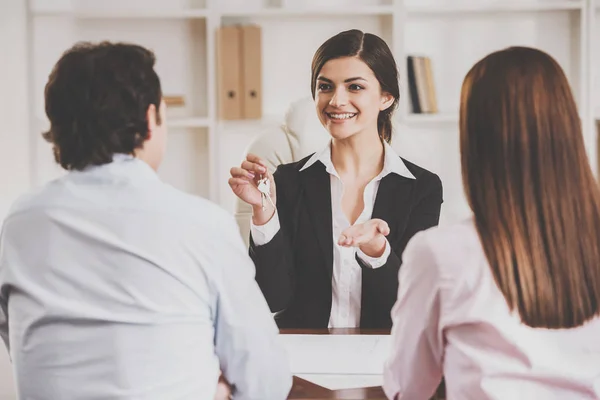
{"x": 122, "y": 166}
{"x": 392, "y": 163}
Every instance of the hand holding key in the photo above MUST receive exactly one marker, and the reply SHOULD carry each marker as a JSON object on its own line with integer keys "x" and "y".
{"x": 253, "y": 184}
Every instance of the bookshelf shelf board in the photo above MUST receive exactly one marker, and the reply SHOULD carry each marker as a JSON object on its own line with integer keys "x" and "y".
{"x": 125, "y": 14}
{"x": 431, "y": 118}
{"x": 266, "y": 122}
{"x": 195, "y": 122}
{"x": 499, "y": 6}
{"x": 314, "y": 11}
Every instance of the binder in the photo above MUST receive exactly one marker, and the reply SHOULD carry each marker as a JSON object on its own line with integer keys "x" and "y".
{"x": 412, "y": 85}
{"x": 229, "y": 79}
{"x": 433, "y": 106}
{"x": 421, "y": 79}
{"x": 251, "y": 72}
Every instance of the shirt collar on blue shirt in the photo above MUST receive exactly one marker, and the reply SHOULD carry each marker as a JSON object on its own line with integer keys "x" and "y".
{"x": 124, "y": 166}
{"x": 392, "y": 163}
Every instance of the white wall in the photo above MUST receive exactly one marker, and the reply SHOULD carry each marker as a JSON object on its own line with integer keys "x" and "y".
{"x": 14, "y": 131}
{"x": 14, "y": 115}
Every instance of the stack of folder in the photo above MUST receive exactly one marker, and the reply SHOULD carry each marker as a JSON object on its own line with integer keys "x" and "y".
{"x": 174, "y": 100}
{"x": 421, "y": 85}
{"x": 239, "y": 68}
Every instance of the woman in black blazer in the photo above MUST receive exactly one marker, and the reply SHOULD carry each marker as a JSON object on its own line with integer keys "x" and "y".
{"x": 328, "y": 253}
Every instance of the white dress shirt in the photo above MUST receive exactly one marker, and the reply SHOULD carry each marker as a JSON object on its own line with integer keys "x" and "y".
{"x": 452, "y": 319}
{"x": 347, "y": 277}
{"x": 114, "y": 285}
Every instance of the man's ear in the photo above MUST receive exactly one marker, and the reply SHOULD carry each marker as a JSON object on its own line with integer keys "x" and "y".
{"x": 151, "y": 117}
{"x": 386, "y": 101}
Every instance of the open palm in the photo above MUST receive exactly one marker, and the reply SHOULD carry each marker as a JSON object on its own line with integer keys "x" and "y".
{"x": 364, "y": 233}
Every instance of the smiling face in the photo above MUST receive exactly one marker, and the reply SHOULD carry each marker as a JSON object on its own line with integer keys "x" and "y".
{"x": 348, "y": 98}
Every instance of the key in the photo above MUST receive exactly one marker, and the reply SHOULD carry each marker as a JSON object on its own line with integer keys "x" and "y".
{"x": 268, "y": 192}
{"x": 264, "y": 187}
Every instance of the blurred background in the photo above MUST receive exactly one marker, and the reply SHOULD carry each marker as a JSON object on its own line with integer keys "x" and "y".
{"x": 234, "y": 71}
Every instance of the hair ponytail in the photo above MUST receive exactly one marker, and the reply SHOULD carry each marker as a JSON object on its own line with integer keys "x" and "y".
{"x": 384, "y": 124}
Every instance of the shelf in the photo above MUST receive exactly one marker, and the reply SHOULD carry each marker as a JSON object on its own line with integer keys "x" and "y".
{"x": 414, "y": 119}
{"x": 458, "y": 7}
{"x": 266, "y": 122}
{"x": 188, "y": 122}
{"x": 314, "y": 11}
{"x": 173, "y": 122}
{"x": 202, "y": 13}
{"x": 498, "y": 6}
{"x": 124, "y": 14}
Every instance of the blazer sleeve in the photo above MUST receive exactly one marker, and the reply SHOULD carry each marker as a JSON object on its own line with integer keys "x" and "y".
{"x": 425, "y": 214}
{"x": 274, "y": 261}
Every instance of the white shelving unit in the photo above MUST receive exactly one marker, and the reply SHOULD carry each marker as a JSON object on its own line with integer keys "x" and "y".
{"x": 125, "y": 14}
{"x": 192, "y": 122}
{"x": 292, "y": 11}
{"x": 453, "y": 33}
{"x": 463, "y": 7}
{"x": 420, "y": 119}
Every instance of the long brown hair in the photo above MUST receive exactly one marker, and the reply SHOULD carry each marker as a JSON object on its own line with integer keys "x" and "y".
{"x": 530, "y": 186}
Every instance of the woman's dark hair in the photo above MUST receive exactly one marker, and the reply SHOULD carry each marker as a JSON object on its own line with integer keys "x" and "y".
{"x": 97, "y": 97}
{"x": 528, "y": 181}
{"x": 374, "y": 52}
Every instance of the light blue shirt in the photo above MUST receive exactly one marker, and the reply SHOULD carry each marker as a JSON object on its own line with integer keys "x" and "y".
{"x": 114, "y": 285}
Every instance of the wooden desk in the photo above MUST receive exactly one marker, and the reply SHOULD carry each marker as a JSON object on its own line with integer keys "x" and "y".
{"x": 337, "y": 358}
{"x": 335, "y": 331}
{"x": 305, "y": 390}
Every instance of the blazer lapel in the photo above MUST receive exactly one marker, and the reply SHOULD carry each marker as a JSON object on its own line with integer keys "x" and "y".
{"x": 317, "y": 192}
{"x": 392, "y": 203}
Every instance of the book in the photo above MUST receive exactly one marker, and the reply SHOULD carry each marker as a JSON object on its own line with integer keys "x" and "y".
{"x": 421, "y": 85}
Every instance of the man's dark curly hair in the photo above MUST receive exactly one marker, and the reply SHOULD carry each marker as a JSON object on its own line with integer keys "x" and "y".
{"x": 97, "y": 97}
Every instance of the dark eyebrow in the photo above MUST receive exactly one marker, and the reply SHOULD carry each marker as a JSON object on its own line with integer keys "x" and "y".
{"x": 356, "y": 78}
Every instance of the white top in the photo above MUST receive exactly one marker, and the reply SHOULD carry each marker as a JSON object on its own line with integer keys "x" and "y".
{"x": 347, "y": 277}
{"x": 114, "y": 285}
{"x": 451, "y": 318}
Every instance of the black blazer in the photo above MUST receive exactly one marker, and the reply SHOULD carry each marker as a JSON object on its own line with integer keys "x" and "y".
{"x": 294, "y": 270}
